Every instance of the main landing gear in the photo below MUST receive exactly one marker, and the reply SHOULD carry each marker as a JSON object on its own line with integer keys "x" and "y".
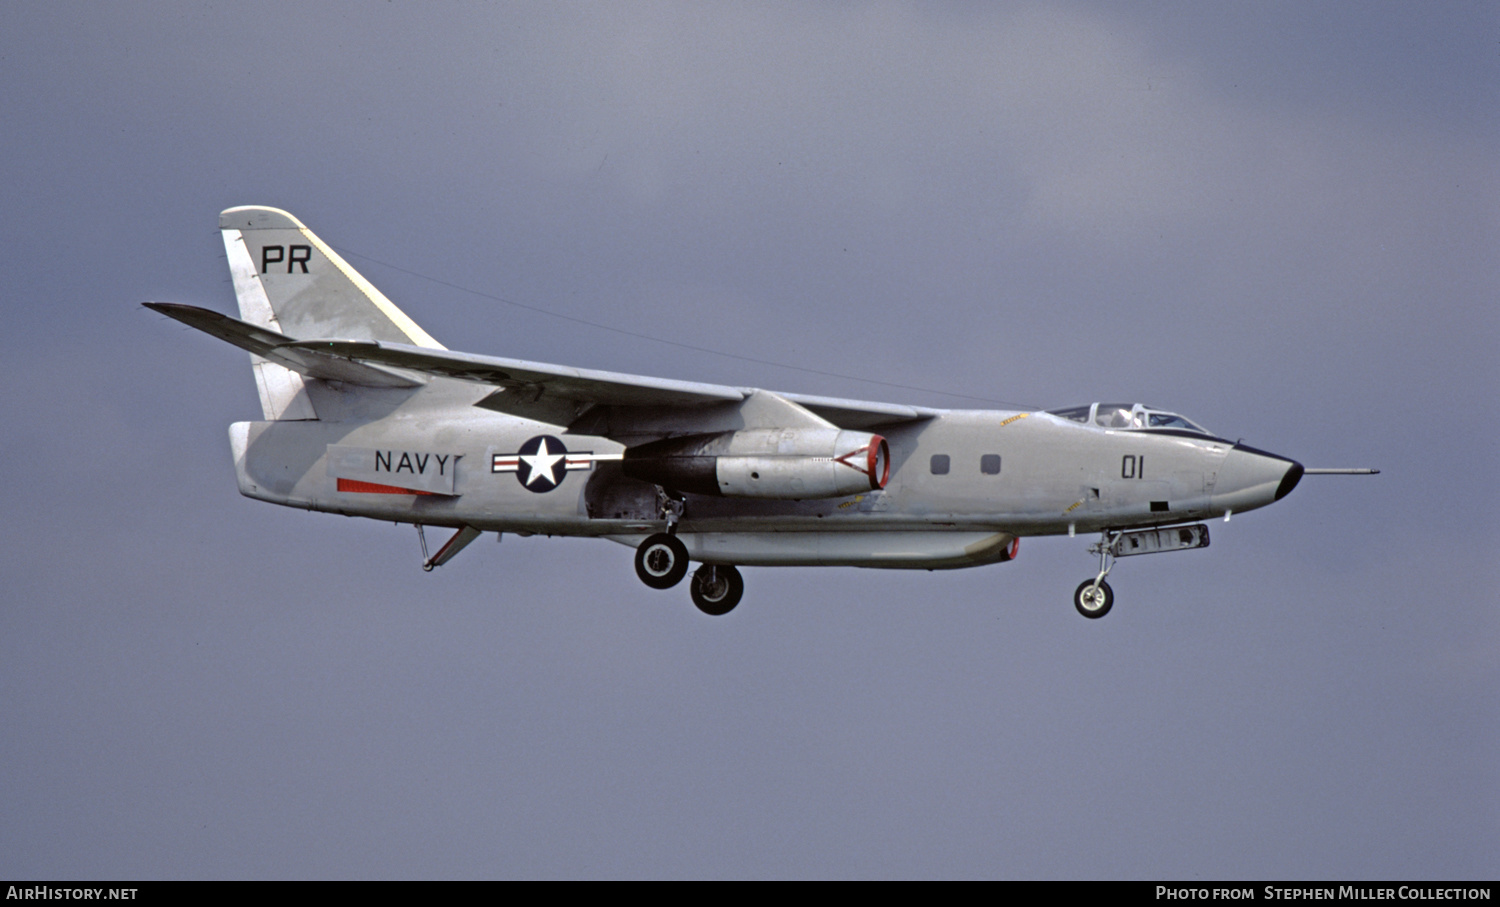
{"x": 717, "y": 588}
{"x": 661, "y": 562}
{"x": 662, "y": 559}
{"x": 1093, "y": 598}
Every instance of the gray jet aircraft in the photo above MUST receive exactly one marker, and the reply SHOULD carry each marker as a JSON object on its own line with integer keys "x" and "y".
{"x": 365, "y": 414}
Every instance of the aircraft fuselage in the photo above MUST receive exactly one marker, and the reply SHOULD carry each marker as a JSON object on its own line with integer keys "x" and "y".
{"x": 962, "y": 485}
{"x": 366, "y": 414}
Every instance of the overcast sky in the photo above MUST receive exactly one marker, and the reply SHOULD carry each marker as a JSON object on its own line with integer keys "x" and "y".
{"x": 1277, "y": 218}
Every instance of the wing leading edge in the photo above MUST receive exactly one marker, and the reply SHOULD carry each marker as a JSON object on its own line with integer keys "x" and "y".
{"x": 518, "y": 377}
{"x": 533, "y": 390}
{"x": 520, "y": 385}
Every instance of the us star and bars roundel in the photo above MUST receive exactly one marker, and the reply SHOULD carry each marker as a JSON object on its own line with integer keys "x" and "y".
{"x": 543, "y": 462}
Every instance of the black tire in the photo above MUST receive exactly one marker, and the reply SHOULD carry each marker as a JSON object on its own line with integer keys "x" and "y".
{"x": 717, "y": 588}
{"x": 661, "y": 561}
{"x": 1093, "y": 606}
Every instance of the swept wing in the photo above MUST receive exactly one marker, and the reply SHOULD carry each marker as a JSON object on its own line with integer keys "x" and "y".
{"x": 533, "y": 390}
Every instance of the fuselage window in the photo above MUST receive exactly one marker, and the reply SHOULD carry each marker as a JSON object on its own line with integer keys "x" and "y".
{"x": 989, "y": 464}
{"x": 939, "y": 464}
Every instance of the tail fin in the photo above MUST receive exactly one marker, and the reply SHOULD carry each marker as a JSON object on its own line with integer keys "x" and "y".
{"x": 289, "y": 281}
{"x": 284, "y": 273}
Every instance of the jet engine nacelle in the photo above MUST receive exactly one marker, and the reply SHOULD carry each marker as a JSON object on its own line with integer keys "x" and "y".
{"x": 780, "y": 463}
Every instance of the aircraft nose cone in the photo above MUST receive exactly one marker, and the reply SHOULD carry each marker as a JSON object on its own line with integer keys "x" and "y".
{"x": 1251, "y": 478}
{"x": 1290, "y": 480}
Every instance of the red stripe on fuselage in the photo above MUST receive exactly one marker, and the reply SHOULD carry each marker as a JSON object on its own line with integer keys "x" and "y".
{"x": 358, "y": 487}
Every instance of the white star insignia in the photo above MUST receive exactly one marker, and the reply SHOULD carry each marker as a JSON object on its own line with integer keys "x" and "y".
{"x": 541, "y": 462}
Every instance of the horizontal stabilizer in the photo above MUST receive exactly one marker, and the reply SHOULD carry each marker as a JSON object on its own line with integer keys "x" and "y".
{"x": 280, "y": 349}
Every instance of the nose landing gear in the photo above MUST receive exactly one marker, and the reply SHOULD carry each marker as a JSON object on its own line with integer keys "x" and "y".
{"x": 1093, "y": 598}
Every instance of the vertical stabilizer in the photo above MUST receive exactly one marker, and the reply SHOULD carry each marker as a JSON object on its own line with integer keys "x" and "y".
{"x": 291, "y": 282}
{"x": 282, "y": 393}
{"x": 312, "y": 292}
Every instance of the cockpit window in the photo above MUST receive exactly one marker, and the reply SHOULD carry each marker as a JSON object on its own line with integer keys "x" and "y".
{"x": 1127, "y": 416}
{"x": 1170, "y": 420}
{"x": 1117, "y": 415}
{"x": 1076, "y": 413}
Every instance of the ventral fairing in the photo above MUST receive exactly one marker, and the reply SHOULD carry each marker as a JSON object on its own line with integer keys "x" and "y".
{"x": 366, "y": 414}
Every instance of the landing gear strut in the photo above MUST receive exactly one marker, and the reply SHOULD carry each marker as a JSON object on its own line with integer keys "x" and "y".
{"x": 671, "y": 505}
{"x": 661, "y": 562}
{"x": 662, "y": 559}
{"x": 1093, "y": 598}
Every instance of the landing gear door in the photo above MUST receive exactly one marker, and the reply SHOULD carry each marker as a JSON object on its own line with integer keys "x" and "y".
{"x": 1155, "y": 541}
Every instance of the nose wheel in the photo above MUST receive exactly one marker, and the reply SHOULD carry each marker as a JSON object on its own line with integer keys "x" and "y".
{"x": 1093, "y": 598}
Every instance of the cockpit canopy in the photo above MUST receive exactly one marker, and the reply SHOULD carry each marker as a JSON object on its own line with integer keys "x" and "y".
{"x": 1127, "y": 416}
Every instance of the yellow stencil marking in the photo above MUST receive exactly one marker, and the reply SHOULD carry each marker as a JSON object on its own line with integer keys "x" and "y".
{"x": 1014, "y": 418}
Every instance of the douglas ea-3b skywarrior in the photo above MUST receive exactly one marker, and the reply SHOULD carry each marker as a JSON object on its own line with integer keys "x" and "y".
{"x": 367, "y": 415}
